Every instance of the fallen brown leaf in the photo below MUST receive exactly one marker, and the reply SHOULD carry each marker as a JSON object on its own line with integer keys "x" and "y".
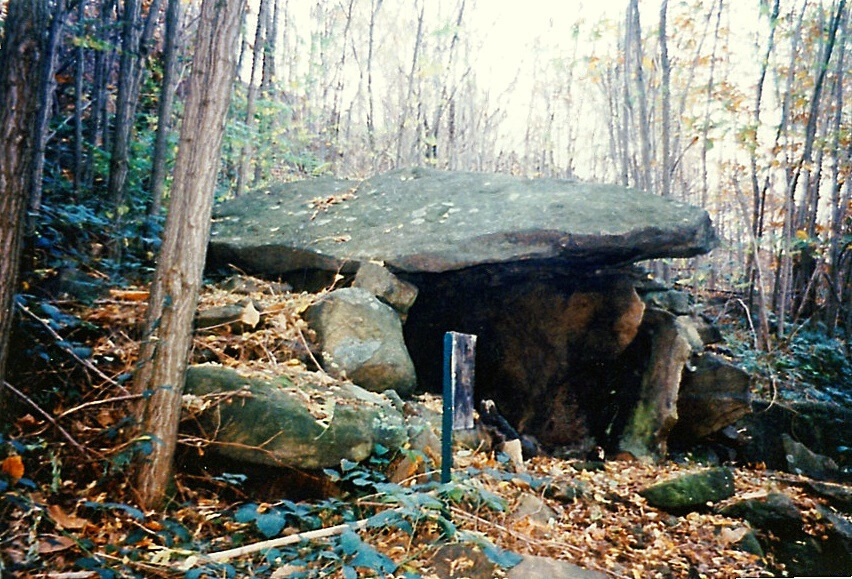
{"x": 64, "y": 520}
{"x": 129, "y": 295}
{"x": 54, "y": 543}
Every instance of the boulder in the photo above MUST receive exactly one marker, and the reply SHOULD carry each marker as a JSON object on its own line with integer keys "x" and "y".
{"x": 713, "y": 394}
{"x": 425, "y": 220}
{"x": 377, "y": 280}
{"x": 655, "y": 412}
{"x": 838, "y": 496}
{"x": 775, "y": 512}
{"x": 691, "y": 491}
{"x": 361, "y": 339}
{"x": 275, "y": 423}
{"x": 838, "y": 548}
{"x": 673, "y": 301}
{"x": 781, "y": 530}
{"x": 563, "y": 491}
{"x": 823, "y": 427}
{"x": 804, "y": 461}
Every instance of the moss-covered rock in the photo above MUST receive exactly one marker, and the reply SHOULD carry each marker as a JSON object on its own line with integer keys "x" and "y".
{"x": 273, "y": 422}
{"x": 691, "y": 491}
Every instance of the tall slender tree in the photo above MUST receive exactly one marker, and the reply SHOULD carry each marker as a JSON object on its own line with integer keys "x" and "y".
{"x": 46, "y": 88}
{"x": 20, "y": 59}
{"x": 641, "y": 92}
{"x": 135, "y": 47}
{"x": 665, "y": 88}
{"x": 245, "y": 173}
{"x": 174, "y": 15}
{"x": 174, "y": 292}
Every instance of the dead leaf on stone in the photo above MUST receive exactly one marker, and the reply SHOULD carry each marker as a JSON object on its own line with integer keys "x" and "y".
{"x": 250, "y": 316}
{"x": 730, "y": 535}
{"x": 64, "y": 520}
{"x": 54, "y": 543}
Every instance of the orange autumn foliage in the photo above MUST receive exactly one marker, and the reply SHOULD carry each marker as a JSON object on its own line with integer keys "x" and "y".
{"x": 13, "y": 466}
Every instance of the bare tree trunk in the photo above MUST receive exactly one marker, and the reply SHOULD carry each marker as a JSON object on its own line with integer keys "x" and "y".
{"x": 762, "y": 333}
{"x": 405, "y": 108}
{"x": 79, "y": 71}
{"x": 341, "y": 65}
{"x": 665, "y": 87}
{"x": 785, "y": 265}
{"x": 131, "y": 31}
{"x": 626, "y": 99}
{"x": 134, "y": 51}
{"x": 644, "y": 122}
{"x": 174, "y": 292}
{"x": 838, "y": 210}
{"x": 708, "y": 99}
{"x": 21, "y": 57}
{"x": 98, "y": 129}
{"x": 269, "y": 79}
{"x": 758, "y": 197}
{"x": 446, "y": 93}
{"x": 174, "y": 16}
{"x": 245, "y": 171}
{"x": 46, "y": 88}
{"x": 807, "y": 261}
{"x": 270, "y": 48}
{"x": 375, "y": 6}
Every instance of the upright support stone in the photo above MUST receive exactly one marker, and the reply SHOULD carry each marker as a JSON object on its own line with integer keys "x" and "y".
{"x": 459, "y": 353}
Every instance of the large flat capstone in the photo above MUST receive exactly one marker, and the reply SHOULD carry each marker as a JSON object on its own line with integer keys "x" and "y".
{"x": 421, "y": 220}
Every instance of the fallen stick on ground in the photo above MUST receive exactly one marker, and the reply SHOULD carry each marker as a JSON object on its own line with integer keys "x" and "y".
{"x": 281, "y": 541}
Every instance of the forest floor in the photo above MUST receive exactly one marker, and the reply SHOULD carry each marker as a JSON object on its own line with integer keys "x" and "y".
{"x": 68, "y": 507}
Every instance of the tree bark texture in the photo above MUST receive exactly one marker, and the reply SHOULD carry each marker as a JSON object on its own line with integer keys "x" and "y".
{"x": 174, "y": 292}
{"x": 20, "y": 59}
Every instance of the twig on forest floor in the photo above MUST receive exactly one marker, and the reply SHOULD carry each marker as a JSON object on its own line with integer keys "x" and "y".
{"x": 99, "y": 402}
{"x": 277, "y": 542}
{"x": 49, "y": 418}
{"x": 59, "y": 340}
{"x": 69, "y": 575}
